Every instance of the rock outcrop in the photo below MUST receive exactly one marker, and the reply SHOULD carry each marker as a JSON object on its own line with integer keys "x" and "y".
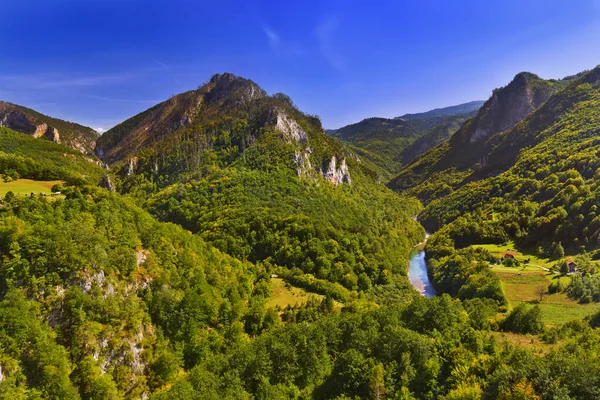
{"x": 30, "y": 122}
{"x": 337, "y": 175}
{"x": 507, "y": 106}
{"x": 106, "y": 183}
{"x": 131, "y": 166}
{"x": 302, "y": 161}
{"x": 289, "y": 127}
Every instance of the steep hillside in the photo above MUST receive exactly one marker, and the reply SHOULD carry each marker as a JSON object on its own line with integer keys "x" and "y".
{"x": 224, "y": 93}
{"x": 96, "y": 296}
{"x": 260, "y": 180}
{"x": 391, "y": 143}
{"x": 22, "y": 156}
{"x": 434, "y": 136}
{"x": 25, "y": 120}
{"x": 101, "y": 297}
{"x": 461, "y": 159}
{"x": 550, "y": 188}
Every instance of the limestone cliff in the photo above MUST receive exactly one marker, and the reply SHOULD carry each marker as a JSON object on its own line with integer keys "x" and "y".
{"x": 30, "y": 122}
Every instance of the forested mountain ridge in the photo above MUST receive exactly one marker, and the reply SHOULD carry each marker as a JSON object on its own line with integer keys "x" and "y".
{"x": 459, "y": 160}
{"x": 23, "y": 156}
{"x": 102, "y": 297}
{"x": 223, "y": 93}
{"x": 25, "y": 120}
{"x": 260, "y": 180}
{"x": 551, "y": 162}
{"x": 390, "y": 143}
{"x": 539, "y": 190}
{"x": 432, "y": 137}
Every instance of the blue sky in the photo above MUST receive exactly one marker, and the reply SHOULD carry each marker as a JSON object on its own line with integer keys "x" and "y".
{"x": 99, "y": 62}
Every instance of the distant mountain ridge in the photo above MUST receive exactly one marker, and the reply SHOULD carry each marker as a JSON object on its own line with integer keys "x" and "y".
{"x": 465, "y": 157}
{"x": 391, "y": 143}
{"x": 31, "y": 122}
{"x": 459, "y": 109}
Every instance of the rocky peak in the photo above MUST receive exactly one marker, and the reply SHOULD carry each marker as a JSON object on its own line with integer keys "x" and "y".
{"x": 232, "y": 91}
{"x": 225, "y": 77}
{"x": 507, "y": 106}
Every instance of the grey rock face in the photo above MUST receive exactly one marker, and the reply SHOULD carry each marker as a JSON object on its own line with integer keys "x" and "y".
{"x": 302, "y": 161}
{"x": 131, "y": 166}
{"x": 106, "y": 183}
{"x": 290, "y": 128}
{"x": 337, "y": 175}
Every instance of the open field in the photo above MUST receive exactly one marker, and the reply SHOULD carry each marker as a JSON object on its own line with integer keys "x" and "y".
{"x": 523, "y": 286}
{"x": 26, "y": 186}
{"x": 283, "y": 296}
{"x": 521, "y": 255}
{"x": 515, "y": 270}
{"x": 529, "y": 342}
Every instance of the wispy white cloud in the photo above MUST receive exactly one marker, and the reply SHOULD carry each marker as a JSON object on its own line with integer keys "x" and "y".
{"x": 325, "y": 32}
{"x": 166, "y": 67}
{"x": 161, "y": 64}
{"x": 58, "y": 81}
{"x": 100, "y": 130}
{"x": 272, "y": 37}
{"x": 279, "y": 46}
{"x": 114, "y": 100}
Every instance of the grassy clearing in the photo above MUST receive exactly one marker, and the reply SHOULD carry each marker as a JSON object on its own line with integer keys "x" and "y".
{"x": 557, "y": 308}
{"x": 515, "y": 270}
{"x": 521, "y": 255}
{"x": 26, "y": 186}
{"x": 525, "y": 282}
{"x": 286, "y": 295}
{"x": 530, "y": 342}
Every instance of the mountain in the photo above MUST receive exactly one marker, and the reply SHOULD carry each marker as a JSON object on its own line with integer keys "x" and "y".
{"x": 463, "y": 157}
{"x": 389, "y": 143}
{"x": 550, "y": 161}
{"x": 438, "y": 134}
{"x": 224, "y": 93}
{"x": 25, "y": 120}
{"x": 461, "y": 109}
{"x": 190, "y": 280}
{"x": 260, "y": 180}
{"x": 24, "y": 156}
{"x": 537, "y": 187}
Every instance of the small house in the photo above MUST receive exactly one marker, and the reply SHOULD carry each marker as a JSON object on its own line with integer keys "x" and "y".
{"x": 508, "y": 255}
{"x": 572, "y": 266}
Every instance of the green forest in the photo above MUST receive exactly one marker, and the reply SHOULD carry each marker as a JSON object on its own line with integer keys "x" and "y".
{"x": 157, "y": 276}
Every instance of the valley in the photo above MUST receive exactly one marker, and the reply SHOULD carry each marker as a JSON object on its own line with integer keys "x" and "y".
{"x": 222, "y": 244}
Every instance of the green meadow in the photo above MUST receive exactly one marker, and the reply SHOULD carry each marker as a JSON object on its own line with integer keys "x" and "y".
{"x": 27, "y": 186}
